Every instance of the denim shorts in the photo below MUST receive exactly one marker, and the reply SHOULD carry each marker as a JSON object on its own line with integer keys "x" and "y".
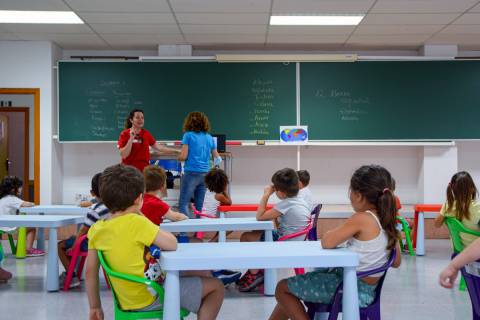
{"x": 274, "y": 233}
{"x": 71, "y": 241}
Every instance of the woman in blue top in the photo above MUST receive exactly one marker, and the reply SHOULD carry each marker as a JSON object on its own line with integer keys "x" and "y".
{"x": 197, "y": 146}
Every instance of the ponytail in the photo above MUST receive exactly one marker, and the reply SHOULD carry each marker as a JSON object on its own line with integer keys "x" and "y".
{"x": 387, "y": 212}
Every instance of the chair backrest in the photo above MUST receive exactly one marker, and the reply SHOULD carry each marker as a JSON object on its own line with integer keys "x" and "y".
{"x": 471, "y": 274}
{"x": 455, "y": 228}
{"x": 203, "y": 214}
{"x": 114, "y": 274}
{"x": 312, "y": 224}
{"x": 312, "y": 234}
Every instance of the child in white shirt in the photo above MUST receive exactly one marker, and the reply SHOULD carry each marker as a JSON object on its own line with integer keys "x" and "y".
{"x": 217, "y": 193}
{"x": 10, "y": 203}
{"x": 304, "y": 192}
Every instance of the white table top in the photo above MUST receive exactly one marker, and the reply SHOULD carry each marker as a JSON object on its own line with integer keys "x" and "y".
{"x": 55, "y": 209}
{"x": 240, "y": 255}
{"x": 227, "y": 224}
{"x": 39, "y": 221}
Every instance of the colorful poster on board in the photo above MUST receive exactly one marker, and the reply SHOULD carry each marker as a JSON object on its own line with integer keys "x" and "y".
{"x": 294, "y": 135}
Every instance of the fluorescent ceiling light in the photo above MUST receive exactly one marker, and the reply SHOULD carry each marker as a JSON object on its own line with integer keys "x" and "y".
{"x": 315, "y": 20}
{"x": 62, "y": 17}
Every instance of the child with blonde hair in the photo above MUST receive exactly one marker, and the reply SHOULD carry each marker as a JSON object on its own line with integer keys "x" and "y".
{"x": 461, "y": 204}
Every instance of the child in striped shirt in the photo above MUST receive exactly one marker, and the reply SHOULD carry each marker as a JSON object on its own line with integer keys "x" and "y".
{"x": 97, "y": 211}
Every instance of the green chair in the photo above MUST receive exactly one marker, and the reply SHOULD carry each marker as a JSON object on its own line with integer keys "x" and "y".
{"x": 408, "y": 239}
{"x": 129, "y": 315}
{"x": 10, "y": 239}
{"x": 455, "y": 227}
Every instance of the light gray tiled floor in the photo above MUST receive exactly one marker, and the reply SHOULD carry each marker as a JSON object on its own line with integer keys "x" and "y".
{"x": 410, "y": 292}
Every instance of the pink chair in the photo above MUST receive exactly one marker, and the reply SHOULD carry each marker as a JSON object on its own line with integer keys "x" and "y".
{"x": 75, "y": 253}
{"x": 307, "y": 232}
{"x": 202, "y": 214}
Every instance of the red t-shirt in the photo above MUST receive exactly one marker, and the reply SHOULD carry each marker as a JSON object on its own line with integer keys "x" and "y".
{"x": 154, "y": 208}
{"x": 140, "y": 155}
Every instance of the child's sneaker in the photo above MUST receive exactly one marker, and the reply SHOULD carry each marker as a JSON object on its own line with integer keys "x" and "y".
{"x": 227, "y": 276}
{"x": 244, "y": 278}
{"x": 63, "y": 276}
{"x": 73, "y": 283}
{"x": 251, "y": 282}
{"x": 35, "y": 252}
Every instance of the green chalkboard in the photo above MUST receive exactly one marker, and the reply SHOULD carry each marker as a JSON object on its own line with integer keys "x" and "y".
{"x": 428, "y": 100}
{"x": 245, "y": 101}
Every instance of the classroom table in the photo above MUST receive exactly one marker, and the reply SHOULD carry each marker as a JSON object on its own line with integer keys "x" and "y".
{"x": 64, "y": 210}
{"x": 231, "y": 224}
{"x": 419, "y": 221}
{"x": 258, "y": 255}
{"x": 44, "y": 221}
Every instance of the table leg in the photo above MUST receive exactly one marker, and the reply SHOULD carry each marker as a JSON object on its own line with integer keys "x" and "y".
{"x": 415, "y": 226}
{"x": 420, "y": 235}
{"x": 41, "y": 239}
{"x": 41, "y": 236}
{"x": 270, "y": 274}
{"x": 171, "y": 307}
{"x": 52, "y": 261}
{"x": 350, "y": 294}
{"x": 222, "y": 235}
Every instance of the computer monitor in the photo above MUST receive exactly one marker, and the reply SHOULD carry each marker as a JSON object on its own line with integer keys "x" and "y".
{"x": 220, "y": 142}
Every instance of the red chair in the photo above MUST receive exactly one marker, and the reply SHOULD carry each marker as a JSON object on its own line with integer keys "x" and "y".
{"x": 75, "y": 253}
{"x": 309, "y": 235}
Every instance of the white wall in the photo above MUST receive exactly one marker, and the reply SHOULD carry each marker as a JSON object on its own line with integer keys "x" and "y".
{"x": 28, "y": 64}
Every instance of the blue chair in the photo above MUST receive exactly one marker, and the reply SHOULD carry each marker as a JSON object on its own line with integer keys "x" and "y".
{"x": 372, "y": 312}
{"x": 471, "y": 275}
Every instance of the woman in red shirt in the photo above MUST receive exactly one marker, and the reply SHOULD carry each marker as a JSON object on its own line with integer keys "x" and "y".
{"x": 134, "y": 142}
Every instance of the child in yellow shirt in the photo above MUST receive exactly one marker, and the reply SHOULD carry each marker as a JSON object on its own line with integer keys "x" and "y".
{"x": 123, "y": 237}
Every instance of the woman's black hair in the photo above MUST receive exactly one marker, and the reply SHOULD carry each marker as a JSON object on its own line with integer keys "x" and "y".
{"x": 10, "y": 186}
{"x": 128, "y": 123}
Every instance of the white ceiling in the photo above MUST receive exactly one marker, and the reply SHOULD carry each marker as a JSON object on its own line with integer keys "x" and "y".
{"x": 143, "y": 24}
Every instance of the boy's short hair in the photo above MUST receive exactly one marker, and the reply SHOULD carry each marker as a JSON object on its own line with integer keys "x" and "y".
{"x": 286, "y": 180}
{"x": 120, "y": 185}
{"x": 304, "y": 177}
{"x": 216, "y": 180}
{"x": 155, "y": 178}
{"x": 96, "y": 184}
